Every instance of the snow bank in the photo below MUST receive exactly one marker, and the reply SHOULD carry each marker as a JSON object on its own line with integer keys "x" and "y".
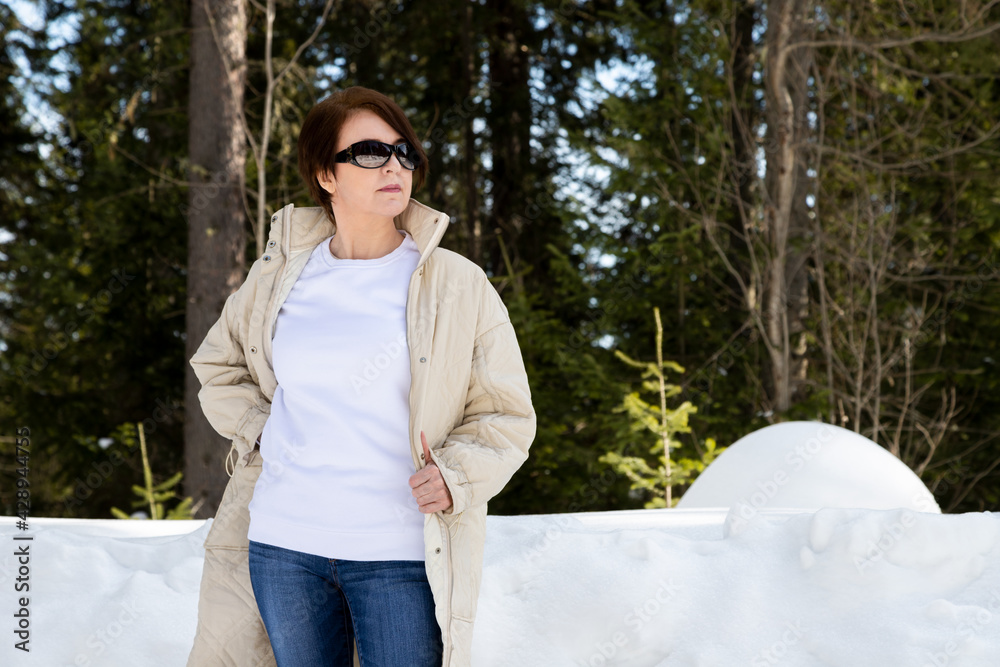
{"x": 808, "y": 465}
{"x": 102, "y": 592}
{"x": 836, "y": 587}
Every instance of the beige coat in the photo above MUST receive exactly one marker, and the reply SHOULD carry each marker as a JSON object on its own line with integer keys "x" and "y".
{"x": 469, "y": 394}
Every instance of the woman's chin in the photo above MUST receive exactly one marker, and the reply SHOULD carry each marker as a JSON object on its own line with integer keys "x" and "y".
{"x": 396, "y": 206}
{"x": 388, "y": 207}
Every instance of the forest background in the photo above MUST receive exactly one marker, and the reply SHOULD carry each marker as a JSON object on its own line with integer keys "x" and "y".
{"x": 805, "y": 190}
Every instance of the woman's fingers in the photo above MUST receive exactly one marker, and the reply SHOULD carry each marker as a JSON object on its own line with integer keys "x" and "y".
{"x": 427, "y": 485}
{"x": 429, "y": 489}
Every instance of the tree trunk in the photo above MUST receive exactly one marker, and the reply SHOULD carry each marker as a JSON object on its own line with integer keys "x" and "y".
{"x": 786, "y": 213}
{"x": 216, "y": 218}
{"x": 509, "y": 121}
{"x": 744, "y": 120}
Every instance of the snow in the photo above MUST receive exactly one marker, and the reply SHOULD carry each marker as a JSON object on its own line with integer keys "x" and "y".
{"x": 695, "y": 587}
{"x": 808, "y": 465}
{"x": 832, "y": 587}
{"x": 103, "y": 592}
{"x": 803, "y": 544}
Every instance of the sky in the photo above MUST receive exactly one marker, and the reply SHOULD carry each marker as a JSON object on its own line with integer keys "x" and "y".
{"x": 39, "y": 112}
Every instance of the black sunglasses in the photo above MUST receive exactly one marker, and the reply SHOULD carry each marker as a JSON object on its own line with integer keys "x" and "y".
{"x": 371, "y": 154}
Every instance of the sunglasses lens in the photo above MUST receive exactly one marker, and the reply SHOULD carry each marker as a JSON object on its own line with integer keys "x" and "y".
{"x": 407, "y": 156}
{"x": 371, "y": 154}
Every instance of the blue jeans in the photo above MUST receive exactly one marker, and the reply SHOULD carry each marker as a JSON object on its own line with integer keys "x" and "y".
{"x": 314, "y": 607}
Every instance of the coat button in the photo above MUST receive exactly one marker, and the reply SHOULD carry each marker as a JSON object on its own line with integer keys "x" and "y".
{"x": 438, "y": 550}
{"x": 253, "y": 349}
{"x": 274, "y": 218}
{"x": 423, "y": 359}
{"x": 270, "y": 244}
{"x": 267, "y": 258}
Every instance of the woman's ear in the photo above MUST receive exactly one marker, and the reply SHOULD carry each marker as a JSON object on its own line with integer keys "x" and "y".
{"x": 327, "y": 182}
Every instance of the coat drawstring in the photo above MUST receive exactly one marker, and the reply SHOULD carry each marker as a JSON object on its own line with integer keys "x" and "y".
{"x": 229, "y": 460}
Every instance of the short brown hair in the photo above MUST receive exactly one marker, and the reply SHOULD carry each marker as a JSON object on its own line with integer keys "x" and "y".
{"x": 321, "y": 131}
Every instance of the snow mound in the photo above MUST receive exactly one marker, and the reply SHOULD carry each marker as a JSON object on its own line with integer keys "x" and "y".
{"x": 807, "y": 465}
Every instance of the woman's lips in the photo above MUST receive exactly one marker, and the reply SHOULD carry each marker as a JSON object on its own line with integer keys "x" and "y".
{"x": 391, "y": 188}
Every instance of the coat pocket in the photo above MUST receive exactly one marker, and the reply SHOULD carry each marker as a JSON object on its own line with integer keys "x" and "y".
{"x": 253, "y": 459}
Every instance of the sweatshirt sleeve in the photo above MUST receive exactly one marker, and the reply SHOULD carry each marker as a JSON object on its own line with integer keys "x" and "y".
{"x": 230, "y": 398}
{"x": 479, "y": 457}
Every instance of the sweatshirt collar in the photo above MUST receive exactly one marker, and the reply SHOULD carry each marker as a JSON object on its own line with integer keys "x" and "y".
{"x": 310, "y": 226}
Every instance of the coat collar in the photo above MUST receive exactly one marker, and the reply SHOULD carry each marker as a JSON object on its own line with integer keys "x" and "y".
{"x": 310, "y": 225}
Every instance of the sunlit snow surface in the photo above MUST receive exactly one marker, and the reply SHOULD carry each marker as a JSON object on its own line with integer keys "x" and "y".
{"x": 835, "y": 587}
{"x": 807, "y": 465}
{"x": 840, "y": 587}
{"x": 103, "y": 592}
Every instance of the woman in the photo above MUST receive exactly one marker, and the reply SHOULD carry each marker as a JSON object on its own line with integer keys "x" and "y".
{"x": 381, "y": 380}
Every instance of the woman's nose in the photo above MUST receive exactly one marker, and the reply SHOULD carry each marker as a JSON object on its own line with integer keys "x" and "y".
{"x": 393, "y": 162}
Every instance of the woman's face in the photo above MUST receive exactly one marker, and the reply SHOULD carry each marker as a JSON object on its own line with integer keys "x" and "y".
{"x": 357, "y": 192}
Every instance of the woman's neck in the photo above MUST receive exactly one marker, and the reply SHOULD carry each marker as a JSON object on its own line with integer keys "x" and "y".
{"x": 350, "y": 243}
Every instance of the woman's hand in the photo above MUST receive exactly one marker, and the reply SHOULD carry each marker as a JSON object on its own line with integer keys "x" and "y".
{"x": 427, "y": 485}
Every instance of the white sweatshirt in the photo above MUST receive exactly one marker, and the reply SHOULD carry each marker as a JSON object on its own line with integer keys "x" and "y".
{"x": 335, "y": 448}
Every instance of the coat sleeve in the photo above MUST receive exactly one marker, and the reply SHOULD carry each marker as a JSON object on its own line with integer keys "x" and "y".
{"x": 480, "y": 456}
{"x": 230, "y": 398}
